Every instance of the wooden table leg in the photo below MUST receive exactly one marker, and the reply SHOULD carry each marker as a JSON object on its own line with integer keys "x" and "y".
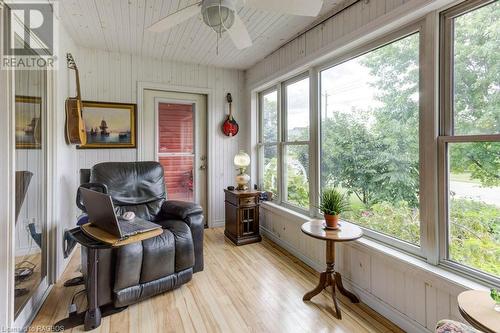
{"x": 343, "y": 291}
{"x": 331, "y": 278}
{"x": 319, "y": 288}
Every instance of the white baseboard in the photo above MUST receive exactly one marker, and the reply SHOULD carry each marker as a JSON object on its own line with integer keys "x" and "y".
{"x": 405, "y": 323}
{"x": 372, "y": 301}
{"x": 217, "y": 224}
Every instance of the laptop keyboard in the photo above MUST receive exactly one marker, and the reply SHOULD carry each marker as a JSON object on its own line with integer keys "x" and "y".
{"x": 130, "y": 228}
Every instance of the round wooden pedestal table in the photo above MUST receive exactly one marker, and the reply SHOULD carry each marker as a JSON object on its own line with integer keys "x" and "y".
{"x": 346, "y": 232}
{"x": 476, "y": 306}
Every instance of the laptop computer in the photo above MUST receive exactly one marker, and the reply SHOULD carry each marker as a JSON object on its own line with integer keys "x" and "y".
{"x": 102, "y": 214}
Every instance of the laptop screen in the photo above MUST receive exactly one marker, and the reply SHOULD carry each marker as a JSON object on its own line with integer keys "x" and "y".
{"x": 101, "y": 211}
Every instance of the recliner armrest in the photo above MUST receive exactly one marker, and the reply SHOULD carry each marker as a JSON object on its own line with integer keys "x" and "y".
{"x": 180, "y": 209}
{"x": 191, "y": 214}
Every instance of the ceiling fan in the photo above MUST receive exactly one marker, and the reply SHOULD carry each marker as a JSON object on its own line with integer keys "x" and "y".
{"x": 221, "y": 15}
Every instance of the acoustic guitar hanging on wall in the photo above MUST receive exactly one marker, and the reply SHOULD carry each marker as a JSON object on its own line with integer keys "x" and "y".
{"x": 230, "y": 127}
{"x": 75, "y": 127}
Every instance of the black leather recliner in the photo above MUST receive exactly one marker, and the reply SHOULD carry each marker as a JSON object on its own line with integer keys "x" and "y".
{"x": 133, "y": 272}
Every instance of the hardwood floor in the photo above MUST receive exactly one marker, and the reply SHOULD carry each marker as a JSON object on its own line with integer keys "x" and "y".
{"x": 252, "y": 288}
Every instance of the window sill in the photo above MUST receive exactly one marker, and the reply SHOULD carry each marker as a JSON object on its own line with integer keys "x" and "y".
{"x": 382, "y": 250}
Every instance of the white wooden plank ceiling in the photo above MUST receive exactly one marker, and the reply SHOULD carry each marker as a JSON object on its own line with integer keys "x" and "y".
{"x": 119, "y": 26}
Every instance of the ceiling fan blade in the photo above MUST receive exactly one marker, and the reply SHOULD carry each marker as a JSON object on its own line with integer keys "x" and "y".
{"x": 176, "y": 18}
{"x": 239, "y": 34}
{"x": 293, "y": 7}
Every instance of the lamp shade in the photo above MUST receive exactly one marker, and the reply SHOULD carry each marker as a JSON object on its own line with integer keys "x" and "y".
{"x": 242, "y": 159}
{"x": 218, "y": 14}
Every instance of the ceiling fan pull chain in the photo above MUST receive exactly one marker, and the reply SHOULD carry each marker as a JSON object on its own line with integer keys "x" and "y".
{"x": 217, "y": 47}
{"x": 219, "y": 34}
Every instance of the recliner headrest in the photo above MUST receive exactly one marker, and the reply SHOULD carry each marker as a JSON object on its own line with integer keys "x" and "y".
{"x": 131, "y": 183}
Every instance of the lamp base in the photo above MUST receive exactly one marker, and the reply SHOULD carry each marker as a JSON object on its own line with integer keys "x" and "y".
{"x": 242, "y": 181}
{"x": 241, "y": 187}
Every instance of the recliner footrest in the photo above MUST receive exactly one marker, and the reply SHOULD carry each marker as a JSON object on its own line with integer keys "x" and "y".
{"x": 142, "y": 291}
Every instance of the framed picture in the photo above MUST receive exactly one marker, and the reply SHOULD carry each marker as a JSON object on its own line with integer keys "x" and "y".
{"x": 109, "y": 125}
{"x": 28, "y": 120}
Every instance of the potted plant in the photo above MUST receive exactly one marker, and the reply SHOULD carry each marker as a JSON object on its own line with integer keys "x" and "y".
{"x": 333, "y": 203}
{"x": 495, "y": 296}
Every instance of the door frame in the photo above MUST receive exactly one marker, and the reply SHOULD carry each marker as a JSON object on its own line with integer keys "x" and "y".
{"x": 196, "y": 148}
{"x": 144, "y": 85}
{"x": 7, "y": 201}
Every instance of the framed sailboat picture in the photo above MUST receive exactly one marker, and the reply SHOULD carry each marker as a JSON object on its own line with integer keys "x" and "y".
{"x": 109, "y": 125}
{"x": 28, "y": 119}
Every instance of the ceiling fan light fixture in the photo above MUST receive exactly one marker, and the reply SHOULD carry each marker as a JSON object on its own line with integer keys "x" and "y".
{"x": 218, "y": 14}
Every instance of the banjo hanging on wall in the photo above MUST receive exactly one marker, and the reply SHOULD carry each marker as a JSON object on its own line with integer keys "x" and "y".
{"x": 230, "y": 127}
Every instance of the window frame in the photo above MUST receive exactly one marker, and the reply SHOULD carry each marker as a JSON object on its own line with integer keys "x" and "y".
{"x": 418, "y": 27}
{"x": 282, "y": 143}
{"x": 285, "y": 142}
{"x": 447, "y": 136}
{"x": 262, "y": 144}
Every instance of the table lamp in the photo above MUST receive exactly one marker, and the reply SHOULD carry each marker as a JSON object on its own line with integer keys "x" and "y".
{"x": 241, "y": 161}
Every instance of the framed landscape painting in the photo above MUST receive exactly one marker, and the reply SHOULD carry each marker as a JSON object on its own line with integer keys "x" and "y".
{"x": 28, "y": 119}
{"x": 109, "y": 125}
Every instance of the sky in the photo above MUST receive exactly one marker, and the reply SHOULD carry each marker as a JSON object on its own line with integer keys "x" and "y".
{"x": 347, "y": 86}
{"x": 118, "y": 120}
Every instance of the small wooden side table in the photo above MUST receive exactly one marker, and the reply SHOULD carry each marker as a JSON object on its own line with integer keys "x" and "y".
{"x": 476, "y": 306}
{"x": 347, "y": 232}
{"x": 242, "y": 216}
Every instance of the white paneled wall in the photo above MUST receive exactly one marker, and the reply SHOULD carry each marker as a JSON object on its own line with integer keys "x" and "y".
{"x": 113, "y": 77}
{"x": 413, "y": 297}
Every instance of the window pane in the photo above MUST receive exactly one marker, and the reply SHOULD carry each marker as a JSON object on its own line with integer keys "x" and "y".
{"x": 370, "y": 139}
{"x": 270, "y": 171}
{"x": 297, "y": 110}
{"x": 175, "y": 128}
{"x": 477, "y": 71}
{"x": 178, "y": 172}
{"x": 270, "y": 117}
{"x": 297, "y": 175}
{"x": 474, "y": 205}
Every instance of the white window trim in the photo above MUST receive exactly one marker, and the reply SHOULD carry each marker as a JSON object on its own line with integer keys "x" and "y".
{"x": 282, "y": 134}
{"x": 400, "y": 33}
{"x": 446, "y": 136}
{"x": 315, "y": 136}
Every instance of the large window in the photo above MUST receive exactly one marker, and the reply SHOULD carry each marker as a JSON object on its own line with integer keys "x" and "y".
{"x": 370, "y": 137}
{"x": 470, "y": 148}
{"x": 419, "y": 161}
{"x": 284, "y": 139}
